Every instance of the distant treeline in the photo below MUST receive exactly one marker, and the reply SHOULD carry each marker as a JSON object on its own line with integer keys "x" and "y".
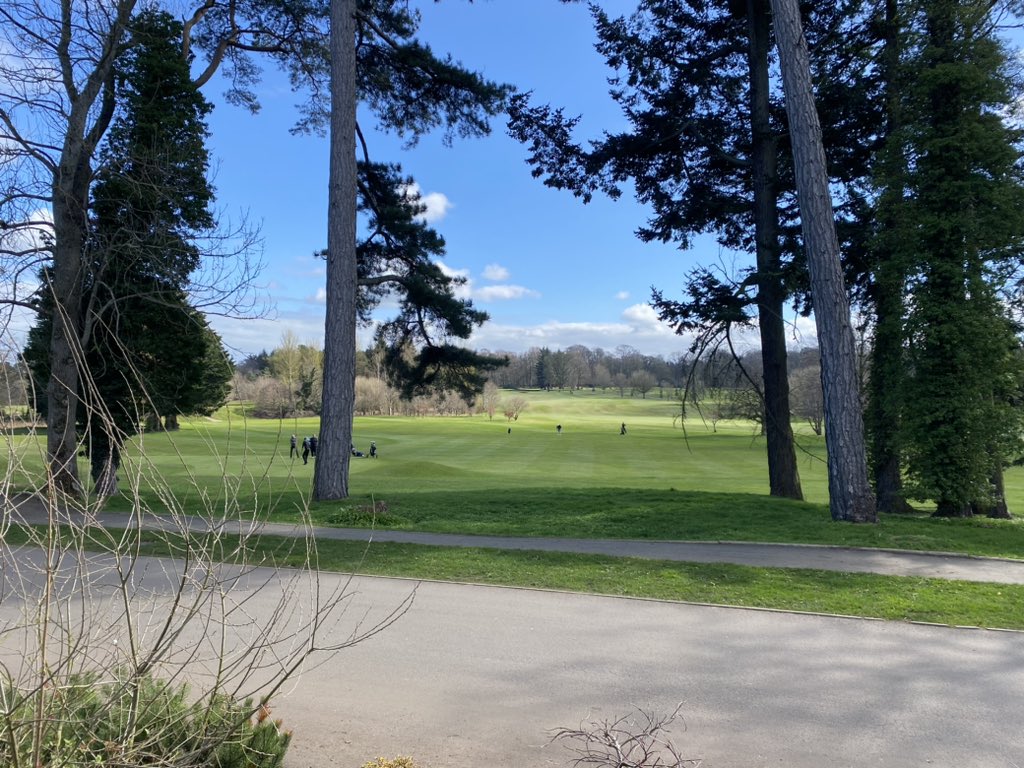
{"x": 286, "y": 381}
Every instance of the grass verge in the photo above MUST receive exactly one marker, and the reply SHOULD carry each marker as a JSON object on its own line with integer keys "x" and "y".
{"x": 894, "y": 598}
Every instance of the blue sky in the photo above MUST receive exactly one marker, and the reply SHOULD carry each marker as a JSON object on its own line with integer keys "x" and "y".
{"x": 549, "y": 270}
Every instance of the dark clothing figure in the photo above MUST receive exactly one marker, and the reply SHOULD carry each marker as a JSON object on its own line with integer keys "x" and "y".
{"x": 312, "y": 446}
{"x": 373, "y": 450}
{"x": 305, "y": 450}
{"x": 510, "y": 430}
{"x": 622, "y": 429}
{"x": 294, "y": 449}
{"x": 558, "y": 429}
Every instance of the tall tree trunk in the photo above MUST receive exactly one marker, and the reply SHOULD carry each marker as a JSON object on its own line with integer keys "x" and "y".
{"x": 886, "y": 293}
{"x": 330, "y": 476}
{"x": 783, "y": 475}
{"x": 69, "y": 213}
{"x": 998, "y": 508}
{"x": 850, "y": 495}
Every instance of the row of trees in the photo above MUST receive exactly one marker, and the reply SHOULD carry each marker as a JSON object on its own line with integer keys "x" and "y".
{"x": 924, "y": 168}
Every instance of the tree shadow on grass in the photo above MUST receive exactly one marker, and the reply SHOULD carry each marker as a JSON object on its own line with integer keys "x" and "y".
{"x": 655, "y": 514}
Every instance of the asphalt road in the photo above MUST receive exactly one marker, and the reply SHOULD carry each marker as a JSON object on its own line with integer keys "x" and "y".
{"x": 476, "y": 676}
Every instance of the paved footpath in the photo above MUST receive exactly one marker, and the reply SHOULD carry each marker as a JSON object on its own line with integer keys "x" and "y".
{"x": 845, "y": 559}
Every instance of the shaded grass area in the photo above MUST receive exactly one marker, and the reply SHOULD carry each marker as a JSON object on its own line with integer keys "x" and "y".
{"x": 867, "y": 595}
{"x": 894, "y": 598}
{"x": 610, "y": 513}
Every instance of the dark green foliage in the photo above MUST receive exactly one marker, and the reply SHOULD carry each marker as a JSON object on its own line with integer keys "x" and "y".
{"x": 140, "y": 721}
{"x": 410, "y": 90}
{"x": 965, "y": 224}
{"x": 707, "y": 150}
{"x": 397, "y": 258}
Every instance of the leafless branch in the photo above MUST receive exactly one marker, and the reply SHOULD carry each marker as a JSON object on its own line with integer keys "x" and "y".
{"x": 637, "y": 740}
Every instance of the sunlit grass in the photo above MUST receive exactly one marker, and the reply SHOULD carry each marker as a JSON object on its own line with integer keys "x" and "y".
{"x": 470, "y": 475}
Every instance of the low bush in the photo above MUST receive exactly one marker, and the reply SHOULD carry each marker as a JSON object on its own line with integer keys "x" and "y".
{"x": 133, "y": 723}
{"x": 363, "y": 515}
{"x": 398, "y": 762}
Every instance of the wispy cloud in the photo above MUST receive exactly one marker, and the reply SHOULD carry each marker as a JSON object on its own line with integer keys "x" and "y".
{"x": 622, "y": 295}
{"x": 495, "y": 272}
{"x": 470, "y": 290}
{"x": 503, "y": 293}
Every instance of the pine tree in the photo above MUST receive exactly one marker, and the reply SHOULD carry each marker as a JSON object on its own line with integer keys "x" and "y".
{"x": 376, "y": 59}
{"x": 707, "y": 150}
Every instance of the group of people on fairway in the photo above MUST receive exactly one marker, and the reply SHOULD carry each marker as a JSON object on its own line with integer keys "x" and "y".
{"x": 309, "y": 446}
{"x": 360, "y": 455}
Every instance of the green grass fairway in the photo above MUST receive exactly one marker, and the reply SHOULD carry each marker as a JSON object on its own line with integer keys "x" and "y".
{"x": 470, "y": 475}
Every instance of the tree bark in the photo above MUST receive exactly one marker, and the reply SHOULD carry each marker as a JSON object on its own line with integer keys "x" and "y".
{"x": 330, "y": 476}
{"x": 105, "y": 459}
{"x": 89, "y": 111}
{"x": 69, "y": 212}
{"x": 783, "y": 475}
{"x": 850, "y": 495}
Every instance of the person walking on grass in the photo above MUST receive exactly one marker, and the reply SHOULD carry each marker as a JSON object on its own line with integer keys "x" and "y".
{"x": 294, "y": 448}
{"x": 312, "y": 446}
{"x": 622, "y": 429}
{"x": 305, "y": 450}
{"x": 373, "y": 450}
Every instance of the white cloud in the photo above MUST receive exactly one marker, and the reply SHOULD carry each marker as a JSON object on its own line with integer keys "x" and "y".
{"x": 622, "y": 295}
{"x": 438, "y": 206}
{"x": 643, "y": 316}
{"x": 463, "y": 291}
{"x": 320, "y": 297}
{"x": 248, "y": 336}
{"x": 452, "y": 271}
{"x": 469, "y": 289}
{"x": 503, "y": 293}
{"x": 495, "y": 272}
{"x": 561, "y": 335}
{"x": 437, "y": 203}
{"x": 637, "y": 327}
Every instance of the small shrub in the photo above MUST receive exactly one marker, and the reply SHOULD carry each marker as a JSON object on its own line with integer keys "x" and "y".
{"x": 398, "y": 762}
{"x": 638, "y": 740}
{"x": 136, "y": 722}
{"x": 361, "y": 515}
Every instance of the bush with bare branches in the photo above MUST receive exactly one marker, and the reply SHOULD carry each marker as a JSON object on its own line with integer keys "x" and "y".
{"x": 92, "y": 627}
{"x": 637, "y": 740}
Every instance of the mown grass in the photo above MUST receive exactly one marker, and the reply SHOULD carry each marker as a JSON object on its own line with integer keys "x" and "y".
{"x": 469, "y": 475}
